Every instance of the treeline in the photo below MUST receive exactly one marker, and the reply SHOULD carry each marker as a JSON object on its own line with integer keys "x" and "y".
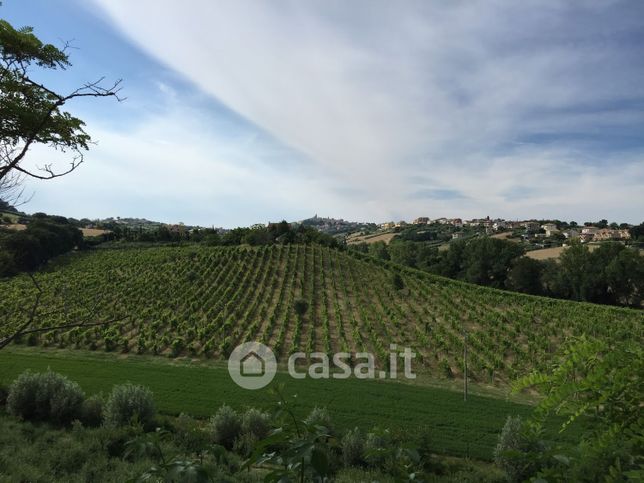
{"x": 275, "y": 233}
{"x": 610, "y": 274}
{"x": 44, "y": 238}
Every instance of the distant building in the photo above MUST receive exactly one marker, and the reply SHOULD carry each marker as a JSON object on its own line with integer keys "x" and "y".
{"x": 606, "y": 234}
{"x": 589, "y": 230}
{"x": 458, "y": 235}
{"x": 550, "y": 229}
{"x": 570, "y": 234}
{"x": 457, "y": 222}
{"x": 388, "y": 225}
{"x": 532, "y": 226}
{"x": 423, "y": 220}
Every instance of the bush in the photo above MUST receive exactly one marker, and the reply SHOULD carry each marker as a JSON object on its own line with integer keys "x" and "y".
{"x": 4, "y": 392}
{"x": 92, "y": 411}
{"x": 376, "y": 448}
{"x": 256, "y": 423}
{"x": 129, "y": 403}
{"x": 512, "y": 451}
{"x": 225, "y": 426}
{"x": 188, "y": 435}
{"x": 46, "y": 396}
{"x": 255, "y": 426}
{"x": 300, "y": 306}
{"x": 353, "y": 447}
{"x": 320, "y": 417}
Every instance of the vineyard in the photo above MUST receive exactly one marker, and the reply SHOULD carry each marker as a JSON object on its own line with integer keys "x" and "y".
{"x": 203, "y": 301}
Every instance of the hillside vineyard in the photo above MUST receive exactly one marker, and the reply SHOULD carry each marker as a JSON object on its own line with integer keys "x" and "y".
{"x": 203, "y": 301}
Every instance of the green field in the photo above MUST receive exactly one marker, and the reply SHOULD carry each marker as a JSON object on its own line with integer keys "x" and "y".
{"x": 456, "y": 427}
{"x": 201, "y": 302}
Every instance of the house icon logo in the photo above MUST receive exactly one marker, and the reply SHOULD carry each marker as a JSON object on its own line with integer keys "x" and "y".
{"x": 252, "y": 365}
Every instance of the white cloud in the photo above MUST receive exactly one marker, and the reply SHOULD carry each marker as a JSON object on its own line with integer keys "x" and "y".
{"x": 377, "y": 94}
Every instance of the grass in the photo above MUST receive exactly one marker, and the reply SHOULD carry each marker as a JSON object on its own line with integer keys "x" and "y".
{"x": 457, "y": 428}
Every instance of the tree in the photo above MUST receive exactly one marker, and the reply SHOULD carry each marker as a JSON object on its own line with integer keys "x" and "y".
{"x": 624, "y": 276}
{"x": 575, "y": 276}
{"x": 637, "y": 232}
{"x": 32, "y": 114}
{"x": 397, "y": 281}
{"x": 487, "y": 260}
{"x": 300, "y": 306}
{"x": 525, "y": 276}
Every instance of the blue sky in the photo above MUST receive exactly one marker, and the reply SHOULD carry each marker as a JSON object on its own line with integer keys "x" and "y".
{"x": 240, "y": 112}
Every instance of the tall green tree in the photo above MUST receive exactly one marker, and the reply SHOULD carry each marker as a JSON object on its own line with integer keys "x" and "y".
{"x": 33, "y": 114}
{"x": 525, "y": 276}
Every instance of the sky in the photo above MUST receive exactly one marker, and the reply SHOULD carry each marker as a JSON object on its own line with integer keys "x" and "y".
{"x": 240, "y": 112}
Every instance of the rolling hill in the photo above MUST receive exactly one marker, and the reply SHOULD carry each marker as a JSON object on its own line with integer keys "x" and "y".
{"x": 200, "y": 302}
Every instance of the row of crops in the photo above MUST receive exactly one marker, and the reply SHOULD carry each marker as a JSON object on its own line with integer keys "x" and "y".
{"x": 203, "y": 301}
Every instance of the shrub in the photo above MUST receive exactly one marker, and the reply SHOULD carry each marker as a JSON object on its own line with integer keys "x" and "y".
{"x": 45, "y": 396}
{"x": 300, "y": 306}
{"x": 255, "y": 426}
{"x": 129, "y": 403}
{"x": 225, "y": 426}
{"x": 512, "y": 451}
{"x": 188, "y": 434}
{"x": 376, "y": 448}
{"x": 92, "y": 411}
{"x": 256, "y": 423}
{"x": 4, "y": 392}
{"x": 320, "y": 417}
{"x": 353, "y": 446}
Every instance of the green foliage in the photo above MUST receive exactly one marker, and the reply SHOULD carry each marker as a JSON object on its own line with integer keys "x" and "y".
{"x": 225, "y": 426}
{"x": 40, "y": 452}
{"x": 129, "y": 404}
{"x": 525, "y": 276}
{"x": 44, "y": 238}
{"x": 91, "y": 413}
{"x": 353, "y": 448}
{"x": 45, "y": 396}
{"x": 402, "y": 461}
{"x": 397, "y": 281}
{"x": 320, "y": 417}
{"x": 4, "y": 393}
{"x": 513, "y": 451}
{"x": 256, "y": 423}
{"x": 300, "y": 306}
{"x": 611, "y": 274}
{"x": 188, "y": 434}
{"x": 31, "y": 113}
{"x": 300, "y": 451}
{"x": 27, "y": 107}
{"x": 601, "y": 383}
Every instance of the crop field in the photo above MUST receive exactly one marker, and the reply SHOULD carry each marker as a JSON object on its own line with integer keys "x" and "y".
{"x": 456, "y": 427}
{"x": 200, "y": 302}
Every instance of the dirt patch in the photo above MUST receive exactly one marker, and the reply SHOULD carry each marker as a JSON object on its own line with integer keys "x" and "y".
{"x": 545, "y": 253}
{"x": 373, "y": 238}
{"x": 89, "y": 232}
{"x": 16, "y": 226}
